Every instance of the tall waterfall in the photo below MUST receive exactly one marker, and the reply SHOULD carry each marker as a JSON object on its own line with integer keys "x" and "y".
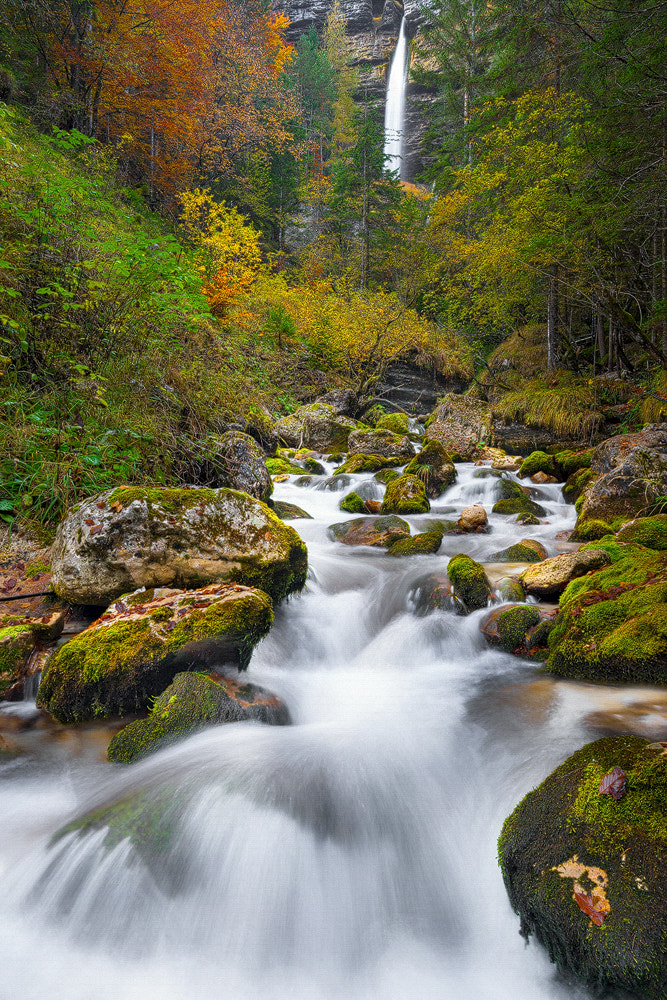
{"x": 395, "y": 107}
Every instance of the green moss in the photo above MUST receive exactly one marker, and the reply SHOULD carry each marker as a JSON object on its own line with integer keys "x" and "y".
{"x": 353, "y": 504}
{"x": 517, "y": 553}
{"x": 282, "y": 467}
{"x": 509, "y": 490}
{"x": 34, "y": 569}
{"x": 514, "y": 623}
{"x": 395, "y": 422}
{"x": 576, "y": 484}
{"x": 405, "y": 495}
{"x": 385, "y": 476}
{"x": 434, "y": 467}
{"x": 589, "y": 530}
{"x": 171, "y": 501}
{"x": 289, "y": 511}
{"x": 14, "y": 641}
{"x": 572, "y": 461}
{"x": 615, "y": 549}
{"x": 538, "y": 461}
{"x": 161, "y": 615}
{"x": 471, "y": 584}
{"x": 520, "y": 505}
{"x": 650, "y": 532}
{"x": 427, "y": 543}
{"x": 367, "y": 463}
{"x": 527, "y": 518}
{"x": 314, "y": 467}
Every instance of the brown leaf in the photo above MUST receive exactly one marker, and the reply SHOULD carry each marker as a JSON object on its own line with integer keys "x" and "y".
{"x": 9, "y": 584}
{"x": 587, "y": 904}
{"x": 614, "y": 784}
{"x": 117, "y": 506}
{"x": 89, "y": 521}
{"x": 102, "y": 505}
{"x": 120, "y": 607}
{"x": 96, "y": 528}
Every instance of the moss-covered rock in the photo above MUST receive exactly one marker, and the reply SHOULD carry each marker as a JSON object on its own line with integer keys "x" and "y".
{"x": 353, "y": 504}
{"x": 508, "y": 627}
{"x": 537, "y": 461}
{"x": 283, "y": 467}
{"x": 651, "y": 532}
{"x": 289, "y": 511}
{"x": 313, "y": 466}
{"x": 191, "y": 702}
{"x": 134, "y": 650}
{"x": 508, "y": 489}
{"x": 589, "y": 530}
{"x": 239, "y": 463}
{"x": 367, "y": 463}
{"x": 318, "y": 426}
{"x": 139, "y": 536}
{"x": 527, "y": 550}
{"x": 576, "y": 483}
{"x": 519, "y": 505}
{"x": 461, "y": 423}
{"x": 405, "y": 495}
{"x": 549, "y": 578}
{"x": 570, "y": 462}
{"x": 527, "y": 519}
{"x": 427, "y": 543}
{"x": 471, "y": 584}
{"x": 509, "y": 589}
{"x": 568, "y": 853}
{"x": 18, "y": 638}
{"x": 385, "y": 476}
{"x": 434, "y": 592}
{"x": 377, "y": 532}
{"x": 434, "y": 467}
{"x": 379, "y": 442}
{"x": 397, "y": 423}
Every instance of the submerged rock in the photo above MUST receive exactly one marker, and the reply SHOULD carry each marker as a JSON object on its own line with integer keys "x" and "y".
{"x": 405, "y": 495}
{"x": 471, "y": 584}
{"x": 435, "y": 592}
{"x": 587, "y": 874}
{"x": 377, "y": 532}
{"x": 138, "y": 536}
{"x": 191, "y": 702}
{"x": 434, "y": 467}
{"x": 133, "y": 651}
{"x": 509, "y": 627}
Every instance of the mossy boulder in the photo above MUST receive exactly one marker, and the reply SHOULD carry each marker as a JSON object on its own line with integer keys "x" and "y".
{"x": 385, "y": 476}
{"x": 313, "y": 466}
{"x": 19, "y": 636}
{"x": 318, "y": 426}
{"x": 434, "y": 592}
{"x": 589, "y": 530}
{"x": 587, "y": 873}
{"x": 612, "y": 624}
{"x": 527, "y": 550}
{"x": 138, "y": 536}
{"x": 367, "y": 463}
{"x": 537, "y": 461}
{"x": 376, "y": 532}
{"x": 405, "y": 495}
{"x": 353, "y": 504}
{"x": 240, "y": 464}
{"x": 379, "y": 442}
{"x": 569, "y": 462}
{"x": 509, "y": 589}
{"x": 134, "y": 650}
{"x": 508, "y": 627}
{"x": 397, "y": 423}
{"x": 508, "y": 489}
{"x": 434, "y": 467}
{"x": 289, "y": 511}
{"x": 283, "y": 467}
{"x": 471, "y": 584}
{"x": 527, "y": 519}
{"x": 651, "y": 532}
{"x": 191, "y": 702}
{"x": 549, "y": 578}
{"x": 427, "y": 543}
{"x": 519, "y": 505}
{"x": 461, "y": 423}
{"x": 576, "y": 483}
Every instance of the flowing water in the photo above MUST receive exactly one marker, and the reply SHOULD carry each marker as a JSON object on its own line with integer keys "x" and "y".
{"x": 350, "y": 856}
{"x": 394, "y": 112}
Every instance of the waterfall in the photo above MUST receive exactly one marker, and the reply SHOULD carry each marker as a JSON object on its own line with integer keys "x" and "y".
{"x": 395, "y": 107}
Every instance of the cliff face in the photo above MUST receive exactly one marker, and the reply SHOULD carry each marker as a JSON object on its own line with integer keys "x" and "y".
{"x": 372, "y": 28}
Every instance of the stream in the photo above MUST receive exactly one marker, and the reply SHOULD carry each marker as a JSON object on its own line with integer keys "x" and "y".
{"x": 351, "y": 856}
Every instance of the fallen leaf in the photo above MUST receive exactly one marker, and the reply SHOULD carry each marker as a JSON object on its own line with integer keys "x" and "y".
{"x": 587, "y": 904}
{"x": 117, "y": 506}
{"x": 89, "y": 521}
{"x": 614, "y": 784}
{"x": 96, "y": 528}
{"x": 101, "y": 505}
{"x": 9, "y": 584}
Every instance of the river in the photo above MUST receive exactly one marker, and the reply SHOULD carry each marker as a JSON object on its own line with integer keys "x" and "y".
{"x": 351, "y": 856}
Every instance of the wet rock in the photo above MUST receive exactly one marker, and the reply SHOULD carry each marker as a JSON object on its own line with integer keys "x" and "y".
{"x": 385, "y": 476}
{"x": 508, "y": 627}
{"x": 577, "y": 483}
{"x": 520, "y": 505}
{"x": 473, "y": 517}
{"x": 313, "y": 466}
{"x": 550, "y": 578}
{"x": 283, "y": 467}
{"x": 405, "y": 495}
{"x": 353, "y": 504}
{"x": 137, "y": 536}
{"x": 569, "y": 462}
{"x": 435, "y": 592}
{"x": 379, "y": 442}
{"x": 537, "y": 461}
{"x": 434, "y": 468}
{"x": 303, "y": 481}
{"x": 527, "y": 550}
{"x": 242, "y": 465}
{"x": 508, "y": 489}
{"x": 318, "y": 426}
{"x": 289, "y": 511}
{"x": 135, "y": 649}
{"x": 510, "y": 463}
{"x": 191, "y": 702}
{"x": 19, "y": 637}
{"x": 471, "y": 584}
{"x": 526, "y": 518}
{"x": 461, "y": 424}
{"x": 542, "y": 477}
{"x": 509, "y": 589}
{"x": 588, "y": 875}
{"x": 427, "y": 543}
{"x": 377, "y": 532}
{"x": 397, "y": 423}
{"x": 367, "y": 463}
{"x": 336, "y": 483}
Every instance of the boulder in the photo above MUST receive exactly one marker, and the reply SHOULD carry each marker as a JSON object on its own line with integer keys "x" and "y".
{"x": 317, "y": 426}
{"x": 434, "y": 467}
{"x": 435, "y": 592}
{"x": 345, "y": 402}
{"x": 283, "y": 467}
{"x": 135, "y": 649}
{"x": 385, "y": 443}
{"x": 576, "y": 484}
{"x": 377, "y": 532}
{"x": 509, "y": 463}
{"x": 527, "y": 550}
{"x": 289, "y": 511}
{"x": 461, "y": 424}
{"x": 353, "y": 504}
{"x": 242, "y": 465}
{"x": 537, "y": 461}
{"x": 519, "y": 505}
{"x": 19, "y": 637}
{"x": 542, "y": 477}
{"x": 139, "y": 536}
{"x": 509, "y": 589}
{"x": 473, "y": 518}
{"x": 191, "y": 702}
{"x": 511, "y": 627}
{"x": 587, "y": 871}
{"x": 367, "y": 463}
{"x": 425, "y": 544}
{"x": 405, "y": 495}
{"x": 385, "y": 476}
{"x": 549, "y": 578}
{"x": 508, "y": 489}
{"x": 397, "y": 423}
{"x": 569, "y": 462}
{"x": 526, "y": 518}
{"x": 471, "y": 584}
{"x": 651, "y": 532}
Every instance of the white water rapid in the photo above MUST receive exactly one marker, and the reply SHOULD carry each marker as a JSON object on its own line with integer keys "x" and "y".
{"x": 350, "y": 856}
{"x": 394, "y": 112}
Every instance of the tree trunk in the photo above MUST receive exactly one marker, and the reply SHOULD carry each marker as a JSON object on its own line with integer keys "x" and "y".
{"x": 552, "y": 318}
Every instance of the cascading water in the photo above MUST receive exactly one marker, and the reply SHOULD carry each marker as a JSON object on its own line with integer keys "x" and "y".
{"x": 394, "y": 113}
{"x": 350, "y": 856}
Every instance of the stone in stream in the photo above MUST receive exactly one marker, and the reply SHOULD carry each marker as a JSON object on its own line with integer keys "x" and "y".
{"x": 353, "y": 504}
{"x": 19, "y": 636}
{"x": 134, "y": 650}
{"x": 405, "y": 495}
{"x": 280, "y": 466}
{"x": 549, "y": 578}
{"x": 473, "y": 518}
{"x": 435, "y": 592}
{"x": 397, "y": 423}
{"x": 471, "y": 584}
{"x": 289, "y": 511}
{"x": 369, "y": 442}
{"x": 509, "y": 589}
{"x": 434, "y": 467}
{"x": 240, "y": 464}
{"x": 537, "y": 461}
{"x": 377, "y": 532}
{"x": 461, "y": 424}
{"x": 527, "y": 519}
{"x": 519, "y": 505}
{"x": 542, "y": 477}
{"x": 527, "y": 550}
{"x": 511, "y": 627}
{"x": 191, "y": 702}
{"x": 385, "y": 476}
{"x": 427, "y": 543}
{"x": 358, "y": 462}
{"x": 587, "y": 874}
{"x": 139, "y": 536}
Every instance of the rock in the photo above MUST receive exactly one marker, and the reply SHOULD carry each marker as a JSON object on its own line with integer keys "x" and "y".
{"x": 405, "y": 495}
{"x": 426, "y": 544}
{"x": 509, "y": 589}
{"x": 303, "y": 481}
{"x": 486, "y": 454}
{"x": 377, "y": 532}
{"x": 510, "y": 463}
{"x": 191, "y": 702}
{"x": 289, "y": 511}
{"x": 651, "y": 532}
{"x": 542, "y": 477}
{"x": 527, "y": 550}
{"x": 335, "y": 484}
{"x": 314, "y": 467}
{"x": 508, "y": 627}
{"x": 526, "y": 518}
{"x": 283, "y": 467}
{"x": 520, "y": 505}
{"x": 549, "y": 578}
{"x": 367, "y": 463}
{"x": 588, "y": 875}
{"x": 317, "y": 426}
{"x": 612, "y": 624}
{"x": 381, "y": 442}
{"x": 471, "y": 584}
{"x": 537, "y": 461}
{"x": 138, "y": 536}
{"x": 18, "y": 638}
{"x": 460, "y": 424}
{"x": 569, "y": 462}
{"x": 345, "y": 402}
{"x": 353, "y": 504}
{"x": 435, "y": 593}
{"x": 385, "y": 476}
{"x": 473, "y": 517}
{"x": 509, "y": 490}
{"x": 434, "y": 468}
{"x": 397, "y": 423}
{"x": 134, "y": 650}
{"x": 577, "y": 483}
{"x": 242, "y": 465}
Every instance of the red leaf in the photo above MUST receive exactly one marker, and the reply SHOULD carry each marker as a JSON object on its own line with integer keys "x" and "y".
{"x": 120, "y": 607}
{"x": 96, "y": 528}
{"x": 9, "y": 584}
{"x": 614, "y": 784}
{"x": 587, "y": 904}
{"x": 89, "y": 521}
